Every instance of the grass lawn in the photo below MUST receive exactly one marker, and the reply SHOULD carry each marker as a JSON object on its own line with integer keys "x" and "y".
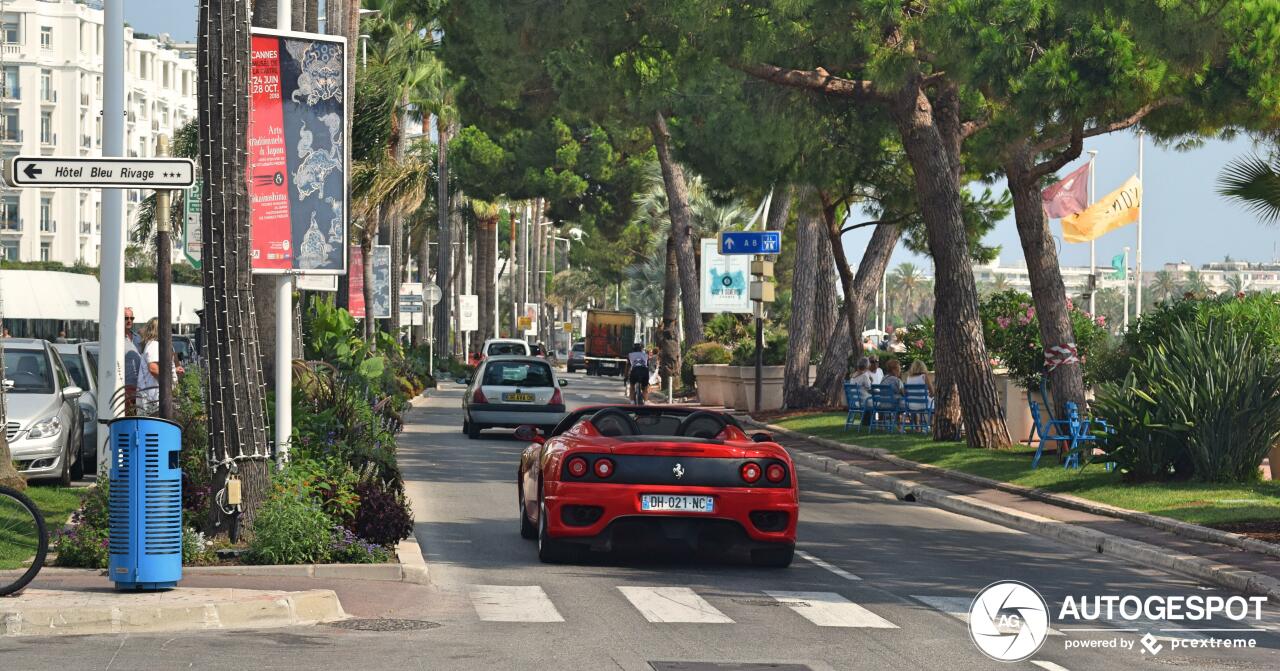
{"x": 56, "y": 504}
{"x": 1209, "y": 504}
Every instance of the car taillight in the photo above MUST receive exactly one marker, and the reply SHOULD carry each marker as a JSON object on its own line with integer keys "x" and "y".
{"x": 577, "y": 467}
{"x": 557, "y": 398}
{"x": 750, "y": 472}
{"x": 478, "y": 397}
{"x": 603, "y": 468}
{"x": 775, "y": 473}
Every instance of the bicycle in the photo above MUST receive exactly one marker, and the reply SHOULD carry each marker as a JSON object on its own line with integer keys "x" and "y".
{"x": 639, "y": 393}
{"x": 24, "y": 541}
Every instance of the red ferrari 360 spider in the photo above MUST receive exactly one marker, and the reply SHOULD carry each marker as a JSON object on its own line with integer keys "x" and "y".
{"x": 619, "y": 476}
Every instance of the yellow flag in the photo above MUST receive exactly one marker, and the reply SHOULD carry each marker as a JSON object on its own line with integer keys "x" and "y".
{"x": 1112, "y": 211}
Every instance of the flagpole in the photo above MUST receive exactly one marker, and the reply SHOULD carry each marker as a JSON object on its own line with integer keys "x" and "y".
{"x": 1126, "y": 291}
{"x": 1093, "y": 244}
{"x": 1137, "y": 309}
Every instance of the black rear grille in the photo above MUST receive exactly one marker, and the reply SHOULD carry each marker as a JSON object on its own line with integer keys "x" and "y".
{"x": 770, "y": 520}
{"x": 633, "y": 469}
{"x": 580, "y": 516}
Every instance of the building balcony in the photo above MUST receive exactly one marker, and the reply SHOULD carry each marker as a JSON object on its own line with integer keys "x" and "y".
{"x": 84, "y": 99}
{"x": 11, "y": 92}
{"x": 8, "y": 136}
{"x": 48, "y": 97}
{"x": 11, "y": 50}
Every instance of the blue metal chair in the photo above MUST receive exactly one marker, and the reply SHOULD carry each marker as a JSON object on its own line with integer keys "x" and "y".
{"x": 886, "y": 403}
{"x": 853, "y": 399}
{"x": 1050, "y": 430}
{"x": 1082, "y": 436}
{"x": 918, "y": 415}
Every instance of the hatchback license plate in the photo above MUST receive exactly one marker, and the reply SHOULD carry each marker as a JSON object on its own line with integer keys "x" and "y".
{"x": 518, "y": 398}
{"x": 677, "y": 503}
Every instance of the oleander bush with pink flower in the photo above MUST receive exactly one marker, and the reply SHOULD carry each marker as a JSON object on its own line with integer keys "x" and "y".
{"x": 1012, "y": 333}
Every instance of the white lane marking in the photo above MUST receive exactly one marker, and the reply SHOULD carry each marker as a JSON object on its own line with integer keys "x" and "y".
{"x": 1048, "y": 666}
{"x": 672, "y": 604}
{"x": 957, "y": 607}
{"x": 828, "y": 609}
{"x": 513, "y": 603}
{"x": 822, "y": 564}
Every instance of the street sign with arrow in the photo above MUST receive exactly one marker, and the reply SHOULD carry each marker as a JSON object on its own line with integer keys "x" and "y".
{"x": 98, "y": 173}
{"x": 750, "y": 242}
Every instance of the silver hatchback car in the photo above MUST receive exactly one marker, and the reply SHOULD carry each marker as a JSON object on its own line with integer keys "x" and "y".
{"x": 43, "y": 419}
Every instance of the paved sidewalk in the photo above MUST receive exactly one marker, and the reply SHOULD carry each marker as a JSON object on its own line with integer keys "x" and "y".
{"x": 1189, "y": 555}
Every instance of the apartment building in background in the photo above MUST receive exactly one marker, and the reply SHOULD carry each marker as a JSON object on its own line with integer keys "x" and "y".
{"x": 51, "y": 104}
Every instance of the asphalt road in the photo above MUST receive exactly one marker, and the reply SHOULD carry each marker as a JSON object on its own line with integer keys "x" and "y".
{"x": 880, "y": 584}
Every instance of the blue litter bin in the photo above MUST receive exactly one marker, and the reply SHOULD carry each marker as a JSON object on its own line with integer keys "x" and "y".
{"x": 145, "y": 503}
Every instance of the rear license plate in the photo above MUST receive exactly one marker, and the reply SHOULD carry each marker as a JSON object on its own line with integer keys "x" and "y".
{"x": 518, "y": 398}
{"x": 677, "y": 503}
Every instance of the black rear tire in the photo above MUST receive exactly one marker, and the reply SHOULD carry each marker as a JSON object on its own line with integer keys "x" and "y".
{"x": 528, "y": 530}
{"x": 11, "y": 586}
{"x": 551, "y": 551}
{"x": 775, "y": 557}
{"x": 64, "y": 478}
{"x": 473, "y": 430}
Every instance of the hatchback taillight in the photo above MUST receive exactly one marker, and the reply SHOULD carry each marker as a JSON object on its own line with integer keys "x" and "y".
{"x": 603, "y": 468}
{"x": 775, "y": 473}
{"x": 478, "y": 396}
{"x": 557, "y": 398}
{"x": 750, "y": 472}
{"x": 577, "y": 467}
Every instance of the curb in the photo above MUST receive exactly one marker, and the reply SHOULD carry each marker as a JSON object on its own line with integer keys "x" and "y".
{"x": 1186, "y": 529}
{"x": 39, "y": 613}
{"x": 1144, "y": 554}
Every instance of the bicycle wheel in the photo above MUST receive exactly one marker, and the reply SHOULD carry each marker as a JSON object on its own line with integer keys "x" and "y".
{"x": 24, "y": 541}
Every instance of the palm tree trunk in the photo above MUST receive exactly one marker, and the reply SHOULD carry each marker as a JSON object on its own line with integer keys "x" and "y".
{"x": 312, "y": 10}
{"x": 963, "y": 352}
{"x": 669, "y": 335}
{"x": 237, "y": 429}
{"x": 444, "y": 237}
{"x": 347, "y": 23}
{"x": 682, "y": 223}
{"x": 858, "y": 290}
{"x": 1066, "y": 382}
{"x": 803, "y": 284}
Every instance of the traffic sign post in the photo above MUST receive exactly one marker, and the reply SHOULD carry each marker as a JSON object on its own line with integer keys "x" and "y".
{"x": 80, "y": 173}
{"x": 750, "y": 242}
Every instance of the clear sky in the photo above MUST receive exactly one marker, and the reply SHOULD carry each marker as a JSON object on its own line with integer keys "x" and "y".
{"x": 1184, "y": 218}
{"x": 176, "y": 17}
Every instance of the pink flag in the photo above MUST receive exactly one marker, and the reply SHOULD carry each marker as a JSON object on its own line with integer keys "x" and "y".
{"x": 1069, "y": 196}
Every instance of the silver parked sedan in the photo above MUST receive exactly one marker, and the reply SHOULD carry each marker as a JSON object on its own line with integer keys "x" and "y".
{"x": 83, "y": 369}
{"x": 43, "y": 412}
{"x": 508, "y": 391}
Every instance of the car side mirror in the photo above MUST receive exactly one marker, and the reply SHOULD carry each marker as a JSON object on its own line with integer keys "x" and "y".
{"x": 8, "y": 384}
{"x": 466, "y": 380}
{"x": 563, "y": 383}
{"x": 762, "y": 437}
{"x": 72, "y": 391}
{"x": 529, "y": 433}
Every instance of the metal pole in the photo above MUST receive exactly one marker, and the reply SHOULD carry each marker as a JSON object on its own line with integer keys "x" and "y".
{"x": 1137, "y": 308}
{"x": 284, "y": 320}
{"x": 1093, "y": 244}
{"x": 111, "y": 274}
{"x": 494, "y": 278}
{"x": 164, "y": 291}
{"x": 759, "y": 354}
{"x": 1125, "y": 320}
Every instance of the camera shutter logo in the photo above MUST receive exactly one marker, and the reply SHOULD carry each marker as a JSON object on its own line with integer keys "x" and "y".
{"x": 1008, "y": 621}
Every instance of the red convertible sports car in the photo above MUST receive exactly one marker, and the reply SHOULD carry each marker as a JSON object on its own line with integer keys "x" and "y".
{"x": 640, "y": 476}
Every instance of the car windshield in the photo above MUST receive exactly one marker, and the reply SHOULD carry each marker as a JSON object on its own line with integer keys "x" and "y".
{"x": 507, "y": 348}
{"x": 75, "y": 367}
{"x": 182, "y": 349}
{"x": 29, "y": 370}
{"x": 517, "y": 374}
{"x": 580, "y": 347}
{"x": 651, "y": 423}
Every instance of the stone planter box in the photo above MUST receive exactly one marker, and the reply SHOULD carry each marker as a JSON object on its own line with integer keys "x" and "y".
{"x": 744, "y": 396}
{"x": 1017, "y": 412}
{"x": 710, "y": 387}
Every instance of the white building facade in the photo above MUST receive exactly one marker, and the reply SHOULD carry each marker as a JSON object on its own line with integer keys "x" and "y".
{"x": 51, "y": 104}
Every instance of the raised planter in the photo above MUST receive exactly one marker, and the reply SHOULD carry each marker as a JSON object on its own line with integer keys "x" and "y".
{"x": 1017, "y": 412}
{"x": 771, "y": 388}
{"x": 709, "y": 378}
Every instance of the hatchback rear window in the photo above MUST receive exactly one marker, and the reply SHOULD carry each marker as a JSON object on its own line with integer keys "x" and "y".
{"x": 517, "y": 374}
{"x": 508, "y": 348}
{"x": 580, "y": 347}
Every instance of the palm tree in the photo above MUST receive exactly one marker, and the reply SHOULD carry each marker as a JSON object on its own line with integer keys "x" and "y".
{"x": 1235, "y": 284}
{"x": 1254, "y": 181}
{"x": 905, "y": 284}
{"x": 233, "y": 392}
{"x": 1193, "y": 283}
{"x": 1165, "y": 285}
{"x": 486, "y": 214}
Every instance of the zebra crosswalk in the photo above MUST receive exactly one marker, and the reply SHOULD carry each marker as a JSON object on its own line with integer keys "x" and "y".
{"x": 684, "y": 605}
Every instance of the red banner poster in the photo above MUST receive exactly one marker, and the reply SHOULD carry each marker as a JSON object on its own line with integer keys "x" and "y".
{"x": 268, "y": 169}
{"x": 355, "y": 284}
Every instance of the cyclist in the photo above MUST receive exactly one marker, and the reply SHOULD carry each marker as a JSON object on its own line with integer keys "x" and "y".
{"x": 637, "y": 373}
